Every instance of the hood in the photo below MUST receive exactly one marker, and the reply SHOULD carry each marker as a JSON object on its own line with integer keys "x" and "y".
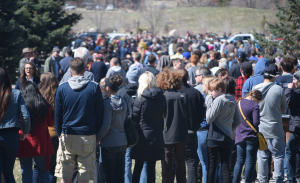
{"x": 131, "y": 88}
{"x": 116, "y": 68}
{"x": 78, "y": 82}
{"x": 263, "y": 87}
{"x": 153, "y": 93}
{"x": 117, "y": 103}
{"x": 164, "y": 61}
{"x": 228, "y": 100}
{"x": 260, "y": 66}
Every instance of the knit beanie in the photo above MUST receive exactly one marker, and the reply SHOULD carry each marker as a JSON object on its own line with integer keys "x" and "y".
{"x": 133, "y": 75}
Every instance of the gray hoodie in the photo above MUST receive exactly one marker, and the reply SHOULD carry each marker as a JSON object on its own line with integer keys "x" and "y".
{"x": 223, "y": 112}
{"x": 270, "y": 109}
{"x": 68, "y": 75}
{"x": 77, "y": 82}
{"x": 115, "y": 70}
{"x": 112, "y": 132}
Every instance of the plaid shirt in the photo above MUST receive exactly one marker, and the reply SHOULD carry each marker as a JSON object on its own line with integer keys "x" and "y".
{"x": 239, "y": 86}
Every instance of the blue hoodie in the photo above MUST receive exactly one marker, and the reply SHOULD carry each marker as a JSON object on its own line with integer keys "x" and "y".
{"x": 258, "y": 76}
{"x": 146, "y": 58}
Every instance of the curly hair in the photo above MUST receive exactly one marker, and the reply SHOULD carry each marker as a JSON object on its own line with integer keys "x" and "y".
{"x": 116, "y": 80}
{"x": 48, "y": 87}
{"x": 23, "y": 74}
{"x": 169, "y": 79}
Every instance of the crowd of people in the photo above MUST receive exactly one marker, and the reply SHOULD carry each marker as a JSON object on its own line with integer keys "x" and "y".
{"x": 197, "y": 108}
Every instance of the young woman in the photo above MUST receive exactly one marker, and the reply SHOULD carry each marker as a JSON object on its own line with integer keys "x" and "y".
{"x": 203, "y": 59}
{"x": 245, "y": 138}
{"x": 175, "y": 131}
{"x": 48, "y": 87}
{"x": 112, "y": 133}
{"x": 223, "y": 117}
{"x": 29, "y": 73}
{"x": 37, "y": 145}
{"x": 11, "y": 105}
{"x": 148, "y": 111}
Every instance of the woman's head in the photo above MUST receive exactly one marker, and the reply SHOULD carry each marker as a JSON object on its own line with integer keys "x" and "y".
{"x": 216, "y": 87}
{"x": 254, "y": 95}
{"x": 205, "y": 83}
{"x": 48, "y": 87}
{"x": 169, "y": 80}
{"x": 229, "y": 85}
{"x": 146, "y": 80}
{"x": 112, "y": 84}
{"x": 28, "y": 71}
{"x": 5, "y": 92}
{"x": 35, "y": 103}
{"x": 203, "y": 58}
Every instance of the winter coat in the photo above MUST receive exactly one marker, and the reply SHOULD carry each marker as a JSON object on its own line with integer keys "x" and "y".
{"x": 148, "y": 114}
{"x": 128, "y": 92}
{"x": 151, "y": 69}
{"x": 293, "y": 100}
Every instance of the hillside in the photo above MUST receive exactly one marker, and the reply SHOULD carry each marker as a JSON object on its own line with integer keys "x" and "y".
{"x": 195, "y": 19}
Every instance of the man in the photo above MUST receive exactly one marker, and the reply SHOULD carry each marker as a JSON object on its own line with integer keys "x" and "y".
{"x": 84, "y": 54}
{"x": 115, "y": 69}
{"x": 153, "y": 52}
{"x": 222, "y": 73}
{"x": 151, "y": 65}
{"x": 27, "y": 57}
{"x": 136, "y": 58}
{"x": 246, "y": 71}
{"x": 248, "y": 46}
{"x": 52, "y": 63}
{"x": 203, "y": 46}
{"x": 253, "y": 56}
{"x": 200, "y": 74}
{"x": 197, "y": 113}
{"x": 78, "y": 117}
{"x": 258, "y": 76}
{"x": 192, "y": 70}
{"x": 229, "y": 48}
{"x": 235, "y": 69}
{"x": 186, "y": 45}
{"x": 177, "y": 61}
{"x": 78, "y": 42}
{"x": 64, "y": 63}
{"x": 98, "y": 68}
{"x": 271, "y": 127}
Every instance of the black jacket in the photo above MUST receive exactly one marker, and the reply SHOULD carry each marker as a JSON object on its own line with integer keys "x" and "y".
{"x": 196, "y": 106}
{"x": 128, "y": 92}
{"x": 293, "y": 101}
{"x": 176, "y": 117}
{"x": 235, "y": 71}
{"x": 148, "y": 114}
{"x": 151, "y": 69}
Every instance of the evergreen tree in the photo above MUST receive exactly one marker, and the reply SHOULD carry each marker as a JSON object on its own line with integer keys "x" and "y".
{"x": 286, "y": 31}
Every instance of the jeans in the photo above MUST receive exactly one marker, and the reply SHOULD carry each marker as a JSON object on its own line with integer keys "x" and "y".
{"x": 246, "y": 155}
{"x": 180, "y": 155}
{"x": 202, "y": 152}
{"x": 224, "y": 153}
{"x": 276, "y": 147}
{"x": 113, "y": 159}
{"x": 26, "y": 169}
{"x": 128, "y": 173}
{"x": 291, "y": 151}
{"x": 139, "y": 166}
{"x": 9, "y": 146}
{"x": 192, "y": 159}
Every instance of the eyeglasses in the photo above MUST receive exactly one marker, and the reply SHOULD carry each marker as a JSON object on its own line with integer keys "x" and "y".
{"x": 198, "y": 75}
{"x": 28, "y": 68}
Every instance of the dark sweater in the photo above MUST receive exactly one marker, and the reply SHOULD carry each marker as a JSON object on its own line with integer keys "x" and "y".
{"x": 252, "y": 114}
{"x": 151, "y": 69}
{"x": 293, "y": 101}
{"x": 176, "y": 117}
{"x": 235, "y": 71}
{"x": 99, "y": 70}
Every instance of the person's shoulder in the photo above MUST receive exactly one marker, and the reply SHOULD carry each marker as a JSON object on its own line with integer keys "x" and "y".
{"x": 15, "y": 92}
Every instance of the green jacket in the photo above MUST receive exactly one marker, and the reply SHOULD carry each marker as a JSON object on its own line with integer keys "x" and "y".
{"x": 50, "y": 66}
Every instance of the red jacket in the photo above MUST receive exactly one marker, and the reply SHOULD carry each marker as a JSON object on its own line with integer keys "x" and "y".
{"x": 38, "y": 143}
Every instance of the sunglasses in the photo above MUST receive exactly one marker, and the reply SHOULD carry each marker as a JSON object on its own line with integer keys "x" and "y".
{"x": 198, "y": 75}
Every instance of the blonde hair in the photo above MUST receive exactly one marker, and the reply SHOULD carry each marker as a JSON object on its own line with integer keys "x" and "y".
{"x": 217, "y": 84}
{"x": 102, "y": 84}
{"x": 203, "y": 59}
{"x": 146, "y": 80}
{"x": 206, "y": 81}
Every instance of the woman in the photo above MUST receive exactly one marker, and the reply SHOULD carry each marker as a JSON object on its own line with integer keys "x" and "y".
{"x": 223, "y": 117}
{"x": 11, "y": 105}
{"x": 29, "y": 73}
{"x": 175, "y": 131}
{"x": 245, "y": 138}
{"x": 37, "y": 145}
{"x": 112, "y": 133}
{"x": 141, "y": 50}
{"x": 148, "y": 109}
{"x": 48, "y": 87}
{"x": 203, "y": 59}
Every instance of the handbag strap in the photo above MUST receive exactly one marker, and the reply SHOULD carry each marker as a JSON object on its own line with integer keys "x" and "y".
{"x": 246, "y": 118}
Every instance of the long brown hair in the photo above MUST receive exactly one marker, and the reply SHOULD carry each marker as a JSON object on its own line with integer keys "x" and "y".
{"x": 23, "y": 75}
{"x": 48, "y": 87}
{"x": 256, "y": 94}
{"x": 5, "y": 92}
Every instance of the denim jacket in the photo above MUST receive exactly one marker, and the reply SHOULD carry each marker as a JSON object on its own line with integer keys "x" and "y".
{"x": 11, "y": 117}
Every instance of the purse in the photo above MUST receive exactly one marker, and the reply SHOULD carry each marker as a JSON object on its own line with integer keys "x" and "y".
{"x": 261, "y": 139}
{"x": 132, "y": 134}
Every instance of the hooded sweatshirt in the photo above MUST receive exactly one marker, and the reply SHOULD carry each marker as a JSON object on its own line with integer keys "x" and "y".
{"x": 115, "y": 70}
{"x": 164, "y": 61}
{"x": 147, "y": 55}
{"x": 258, "y": 76}
{"x": 128, "y": 92}
{"x": 112, "y": 132}
{"x": 224, "y": 114}
{"x": 78, "y": 107}
{"x": 270, "y": 109}
{"x": 68, "y": 75}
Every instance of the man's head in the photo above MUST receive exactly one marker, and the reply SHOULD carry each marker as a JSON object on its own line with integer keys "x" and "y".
{"x": 223, "y": 65}
{"x": 136, "y": 56}
{"x": 133, "y": 75}
{"x": 222, "y": 73}
{"x": 253, "y": 53}
{"x": 77, "y": 67}
{"x": 194, "y": 60}
{"x": 185, "y": 75}
{"x": 270, "y": 73}
{"x": 202, "y": 73}
{"x": 82, "y": 53}
{"x": 216, "y": 87}
{"x": 179, "y": 50}
{"x": 27, "y": 53}
{"x": 114, "y": 62}
{"x": 68, "y": 52}
{"x": 197, "y": 52}
{"x": 151, "y": 59}
{"x": 177, "y": 64}
{"x": 55, "y": 52}
{"x": 241, "y": 57}
{"x": 246, "y": 69}
{"x": 287, "y": 65}
{"x": 186, "y": 55}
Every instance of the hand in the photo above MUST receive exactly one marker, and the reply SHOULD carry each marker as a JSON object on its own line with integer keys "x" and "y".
{"x": 291, "y": 85}
{"x": 60, "y": 72}
{"x": 23, "y": 136}
{"x": 31, "y": 59}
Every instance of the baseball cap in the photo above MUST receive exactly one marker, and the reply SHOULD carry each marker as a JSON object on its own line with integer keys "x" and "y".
{"x": 175, "y": 57}
{"x": 223, "y": 60}
{"x": 187, "y": 55}
{"x": 246, "y": 67}
{"x": 297, "y": 75}
{"x": 271, "y": 70}
{"x": 241, "y": 55}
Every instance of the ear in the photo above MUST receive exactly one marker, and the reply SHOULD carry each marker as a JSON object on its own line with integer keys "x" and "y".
{"x": 219, "y": 89}
{"x": 71, "y": 72}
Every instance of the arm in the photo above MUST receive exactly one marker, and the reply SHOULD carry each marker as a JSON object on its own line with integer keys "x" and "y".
{"x": 50, "y": 119}
{"x": 202, "y": 109}
{"x": 24, "y": 114}
{"x": 284, "y": 104}
{"x": 136, "y": 111}
{"x": 47, "y": 65}
{"x": 99, "y": 108}
{"x": 292, "y": 98}
{"x": 245, "y": 89}
{"x": 58, "y": 112}
{"x": 256, "y": 115}
{"x": 106, "y": 122}
{"x": 212, "y": 110}
{"x": 236, "y": 118}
